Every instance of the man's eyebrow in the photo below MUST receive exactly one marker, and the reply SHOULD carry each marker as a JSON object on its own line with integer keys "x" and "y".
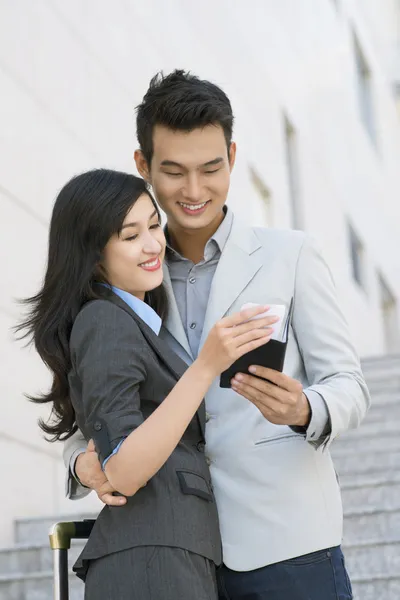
{"x": 171, "y": 163}
{"x": 153, "y": 214}
{"x": 210, "y": 163}
{"x": 215, "y": 161}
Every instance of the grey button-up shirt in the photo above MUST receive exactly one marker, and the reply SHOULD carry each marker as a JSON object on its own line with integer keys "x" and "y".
{"x": 191, "y": 282}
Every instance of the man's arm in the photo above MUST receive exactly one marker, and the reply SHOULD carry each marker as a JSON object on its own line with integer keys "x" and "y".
{"x": 84, "y": 472}
{"x": 74, "y": 446}
{"x": 330, "y": 360}
{"x": 337, "y": 396}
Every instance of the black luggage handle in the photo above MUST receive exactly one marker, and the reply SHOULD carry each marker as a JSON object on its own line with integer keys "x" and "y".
{"x": 60, "y": 536}
{"x": 62, "y": 533}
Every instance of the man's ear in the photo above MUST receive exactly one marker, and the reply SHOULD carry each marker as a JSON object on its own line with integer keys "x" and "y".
{"x": 141, "y": 165}
{"x": 232, "y": 155}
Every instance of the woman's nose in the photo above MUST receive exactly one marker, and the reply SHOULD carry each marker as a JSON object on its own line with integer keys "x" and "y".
{"x": 151, "y": 245}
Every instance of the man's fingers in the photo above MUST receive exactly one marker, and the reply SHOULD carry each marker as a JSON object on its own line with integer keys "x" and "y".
{"x": 105, "y": 493}
{"x": 261, "y": 386}
{"x": 91, "y": 447}
{"x": 111, "y": 500}
{"x": 279, "y": 379}
{"x": 259, "y": 398}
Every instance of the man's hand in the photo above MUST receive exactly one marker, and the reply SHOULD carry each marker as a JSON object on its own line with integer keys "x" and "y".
{"x": 280, "y": 399}
{"x": 90, "y": 474}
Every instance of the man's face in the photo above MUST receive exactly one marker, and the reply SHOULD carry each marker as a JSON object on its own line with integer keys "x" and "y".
{"x": 190, "y": 175}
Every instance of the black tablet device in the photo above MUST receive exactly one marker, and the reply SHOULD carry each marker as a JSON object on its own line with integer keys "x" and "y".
{"x": 271, "y": 355}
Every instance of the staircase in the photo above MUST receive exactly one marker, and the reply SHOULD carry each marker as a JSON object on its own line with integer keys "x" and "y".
{"x": 26, "y": 569}
{"x": 368, "y": 464}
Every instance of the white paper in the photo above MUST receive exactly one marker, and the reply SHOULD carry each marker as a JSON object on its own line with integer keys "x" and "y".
{"x": 276, "y": 310}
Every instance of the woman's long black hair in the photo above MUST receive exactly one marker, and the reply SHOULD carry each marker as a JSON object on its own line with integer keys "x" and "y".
{"x": 87, "y": 212}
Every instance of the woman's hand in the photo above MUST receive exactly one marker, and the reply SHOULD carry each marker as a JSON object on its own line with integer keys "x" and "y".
{"x": 234, "y": 336}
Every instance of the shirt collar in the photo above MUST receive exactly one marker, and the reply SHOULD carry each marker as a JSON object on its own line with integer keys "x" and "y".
{"x": 219, "y": 238}
{"x": 143, "y": 310}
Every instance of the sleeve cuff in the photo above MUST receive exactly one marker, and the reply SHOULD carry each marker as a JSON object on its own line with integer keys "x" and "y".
{"x": 105, "y": 461}
{"x": 319, "y": 427}
{"x": 74, "y": 490}
{"x": 72, "y": 464}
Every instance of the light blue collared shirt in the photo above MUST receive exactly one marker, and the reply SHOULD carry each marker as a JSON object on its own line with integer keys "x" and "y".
{"x": 143, "y": 310}
{"x": 149, "y": 316}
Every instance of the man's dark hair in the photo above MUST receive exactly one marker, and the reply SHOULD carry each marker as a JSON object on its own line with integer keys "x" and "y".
{"x": 181, "y": 101}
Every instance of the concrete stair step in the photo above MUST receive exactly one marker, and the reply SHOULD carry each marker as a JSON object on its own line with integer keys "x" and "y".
{"x": 371, "y": 479}
{"x": 383, "y": 387}
{"x": 36, "y": 586}
{"x": 373, "y": 558}
{"x": 33, "y": 558}
{"x": 364, "y": 523}
{"x": 384, "y": 497}
{"x": 369, "y": 429}
{"x": 383, "y": 412}
{"x": 378, "y": 444}
{"x": 36, "y": 530}
{"x": 367, "y": 461}
{"x": 386, "y": 397}
{"x": 383, "y": 587}
{"x": 377, "y": 363}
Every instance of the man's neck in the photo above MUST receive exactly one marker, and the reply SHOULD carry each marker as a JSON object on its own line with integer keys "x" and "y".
{"x": 190, "y": 243}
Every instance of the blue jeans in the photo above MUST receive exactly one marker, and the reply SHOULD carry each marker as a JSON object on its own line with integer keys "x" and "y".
{"x": 320, "y": 575}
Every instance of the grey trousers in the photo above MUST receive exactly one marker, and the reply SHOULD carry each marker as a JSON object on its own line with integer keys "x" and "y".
{"x": 151, "y": 573}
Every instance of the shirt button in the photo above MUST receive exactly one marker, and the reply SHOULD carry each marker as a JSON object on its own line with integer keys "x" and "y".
{"x": 201, "y": 446}
{"x": 192, "y": 325}
{"x": 192, "y": 280}
{"x": 208, "y": 460}
{"x": 97, "y": 426}
{"x": 208, "y": 417}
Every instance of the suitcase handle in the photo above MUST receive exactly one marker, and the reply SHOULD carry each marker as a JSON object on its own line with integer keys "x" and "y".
{"x": 62, "y": 533}
{"x": 60, "y": 536}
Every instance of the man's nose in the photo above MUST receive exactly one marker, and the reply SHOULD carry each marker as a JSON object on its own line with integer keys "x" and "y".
{"x": 193, "y": 188}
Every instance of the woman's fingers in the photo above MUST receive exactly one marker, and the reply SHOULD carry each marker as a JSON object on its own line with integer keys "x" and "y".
{"x": 254, "y": 325}
{"x": 243, "y": 315}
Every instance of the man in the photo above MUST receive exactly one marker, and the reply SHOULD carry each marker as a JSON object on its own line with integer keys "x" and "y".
{"x": 268, "y": 437}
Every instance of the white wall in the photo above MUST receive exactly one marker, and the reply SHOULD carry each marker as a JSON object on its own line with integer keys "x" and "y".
{"x": 70, "y": 76}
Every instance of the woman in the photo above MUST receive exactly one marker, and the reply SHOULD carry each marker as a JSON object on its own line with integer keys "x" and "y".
{"x": 95, "y": 324}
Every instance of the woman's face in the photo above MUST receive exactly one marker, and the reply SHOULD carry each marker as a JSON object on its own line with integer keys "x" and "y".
{"x": 133, "y": 259}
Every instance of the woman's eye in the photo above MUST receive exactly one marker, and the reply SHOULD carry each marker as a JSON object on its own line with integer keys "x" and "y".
{"x": 132, "y": 237}
{"x": 155, "y": 226}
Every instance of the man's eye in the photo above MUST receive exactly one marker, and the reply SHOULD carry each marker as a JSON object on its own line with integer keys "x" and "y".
{"x": 173, "y": 174}
{"x": 209, "y": 172}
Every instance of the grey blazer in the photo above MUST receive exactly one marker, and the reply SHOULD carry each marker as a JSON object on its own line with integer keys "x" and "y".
{"x": 120, "y": 372}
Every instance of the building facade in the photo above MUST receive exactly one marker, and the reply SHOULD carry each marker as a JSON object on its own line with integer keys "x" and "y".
{"x": 315, "y": 88}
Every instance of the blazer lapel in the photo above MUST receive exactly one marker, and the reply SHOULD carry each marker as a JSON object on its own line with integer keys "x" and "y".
{"x": 175, "y": 364}
{"x": 173, "y": 322}
{"x": 171, "y": 360}
{"x": 237, "y": 266}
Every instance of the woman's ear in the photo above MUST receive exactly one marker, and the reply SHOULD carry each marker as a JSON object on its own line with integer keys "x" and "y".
{"x": 100, "y": 272}
{"x": 142, "y": 166}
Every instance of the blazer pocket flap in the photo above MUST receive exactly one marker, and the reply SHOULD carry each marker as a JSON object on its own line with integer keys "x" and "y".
{"x": 195, "y": 485}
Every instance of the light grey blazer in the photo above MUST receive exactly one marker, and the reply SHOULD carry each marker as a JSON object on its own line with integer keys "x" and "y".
{"x": 277, "y": 492}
